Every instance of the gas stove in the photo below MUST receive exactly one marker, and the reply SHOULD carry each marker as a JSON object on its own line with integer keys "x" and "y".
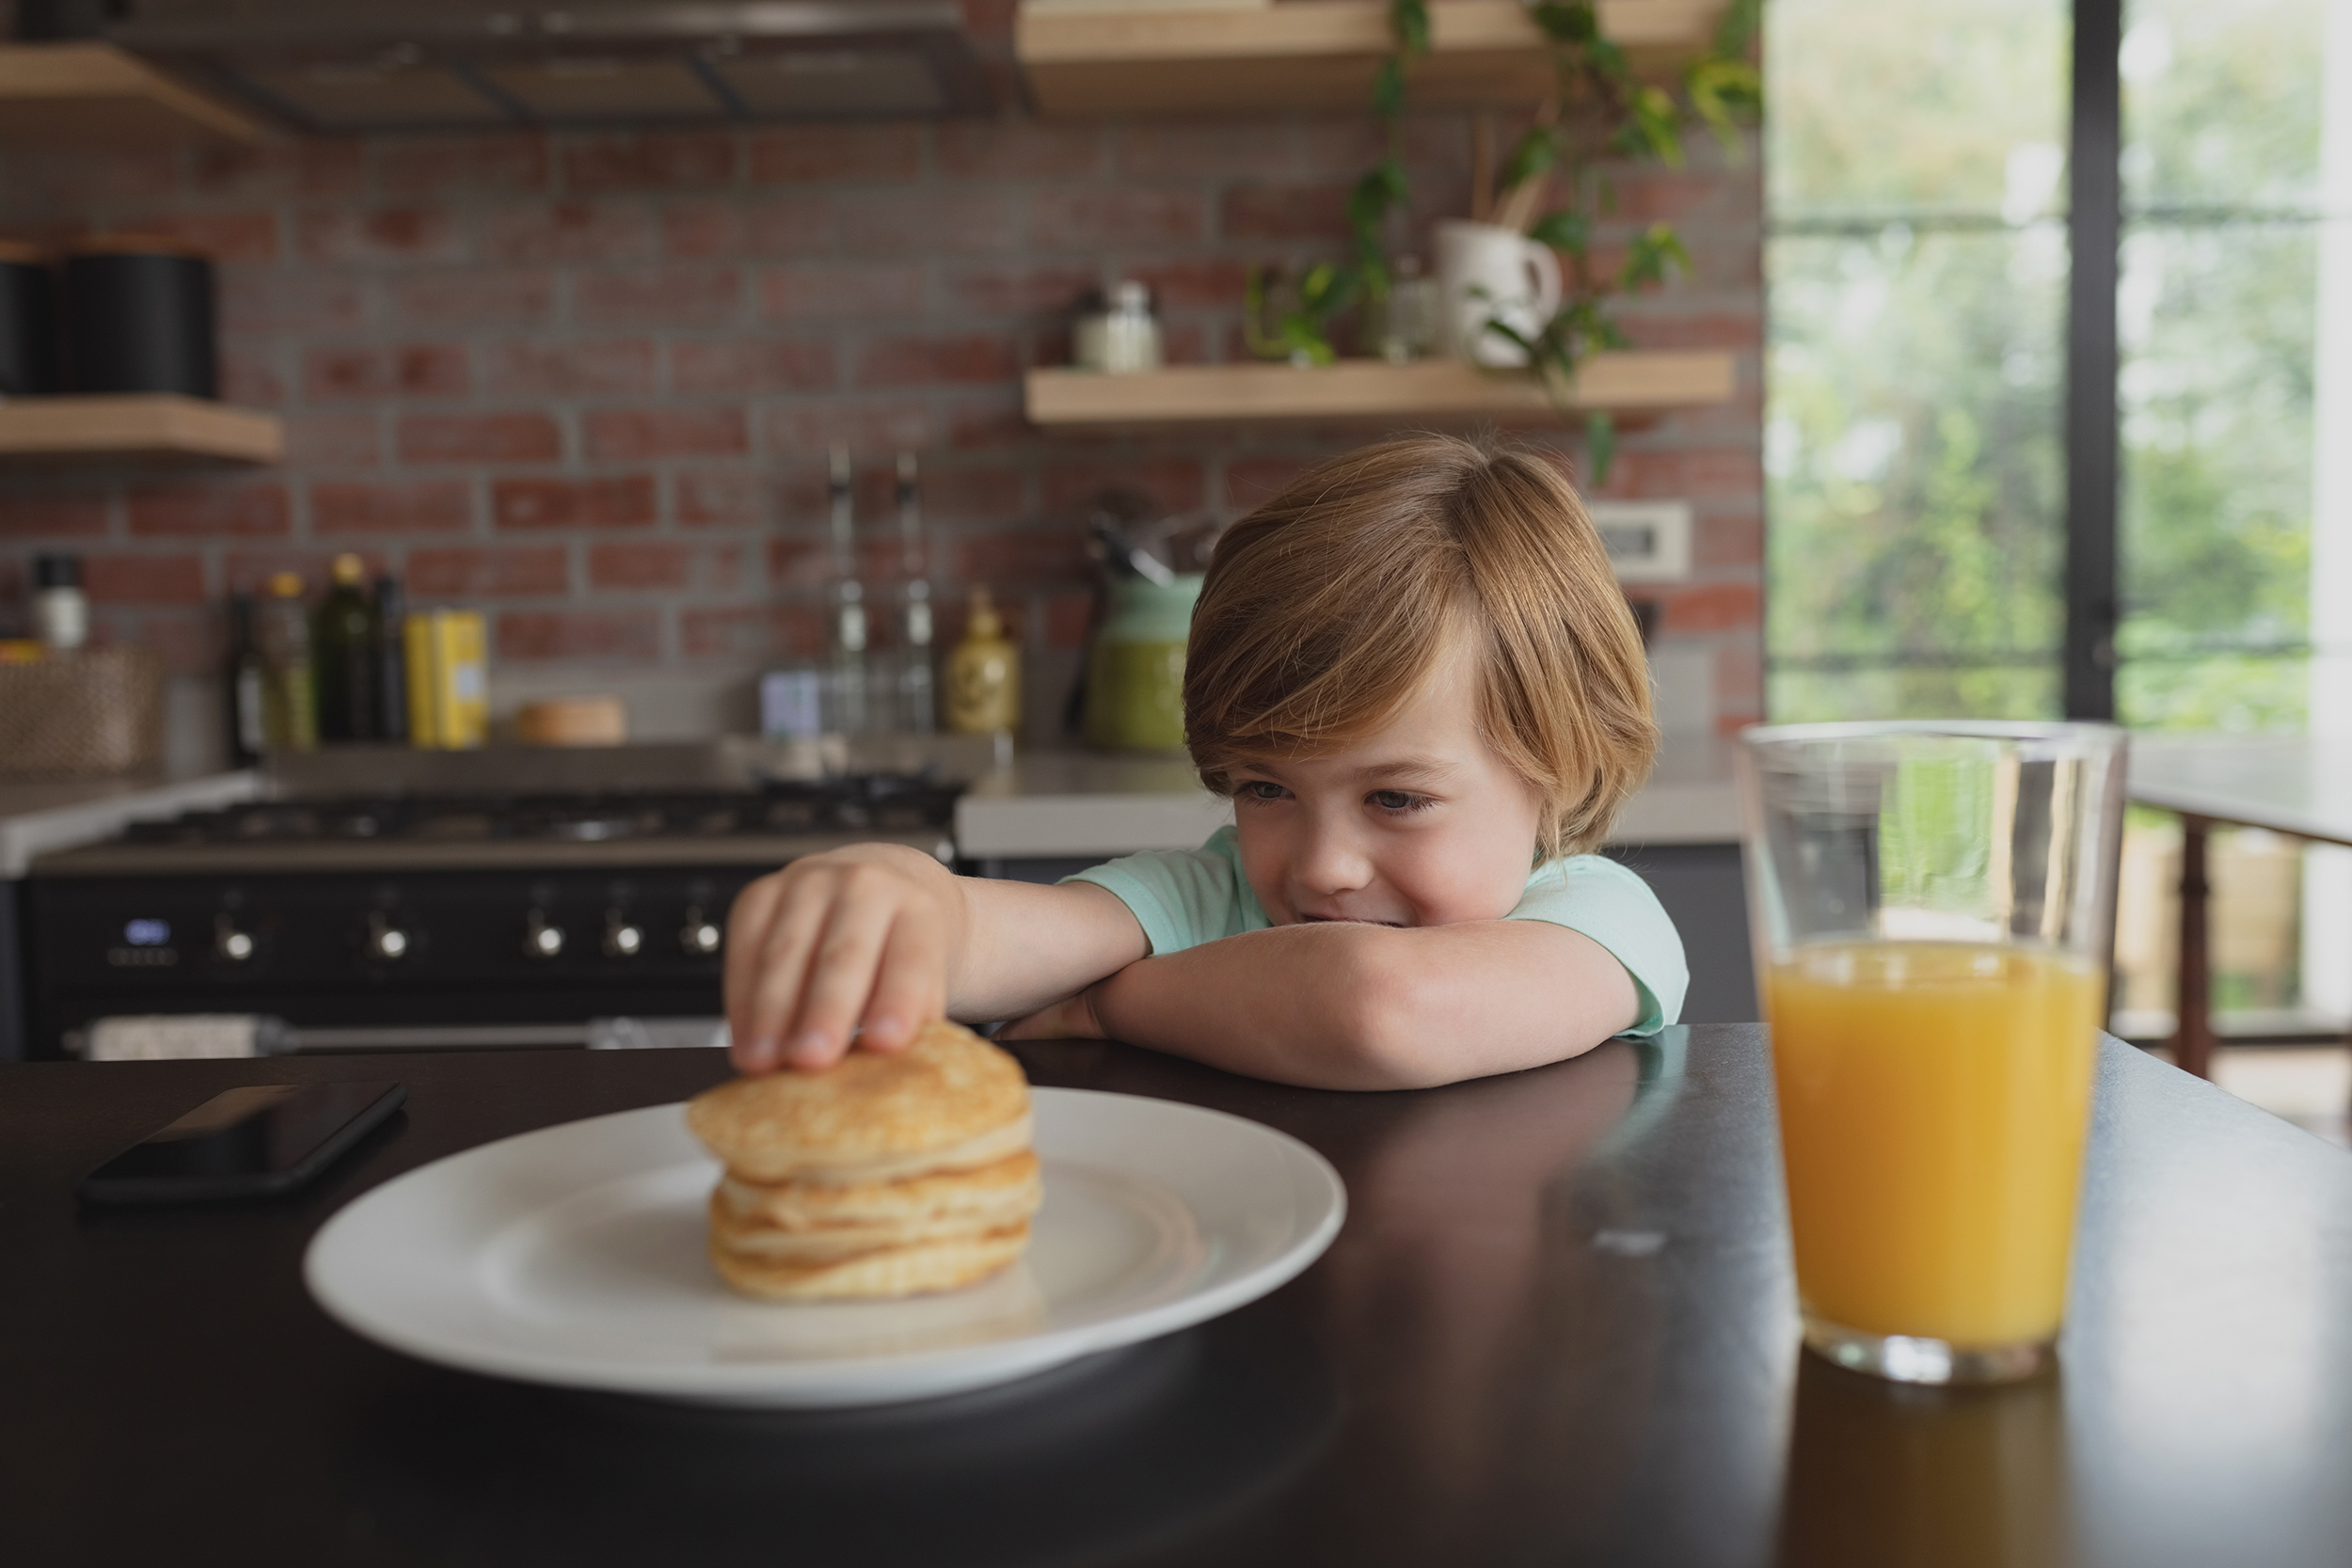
{"x": 565, "y": 829}
{"x": 476, "y": 910}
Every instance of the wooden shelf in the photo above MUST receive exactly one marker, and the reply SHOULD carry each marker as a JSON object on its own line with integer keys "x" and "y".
{"x": 157, "y": 427}
{"x": 1316, "y": 55}
{"x": 94, "y": 94}
{"x": 1368, "y": 389}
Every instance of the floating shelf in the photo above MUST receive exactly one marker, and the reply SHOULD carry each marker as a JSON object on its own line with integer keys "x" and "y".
{"x": 1630, "y": 383}
{"x": 85, "y": 94}
{"x": 1317, "y": 56}
{"x": 158, "y": 427}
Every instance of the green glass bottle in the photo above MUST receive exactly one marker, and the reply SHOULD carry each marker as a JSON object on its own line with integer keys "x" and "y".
{"x": 289, "y": 695}
{"x": 345, "y": 642}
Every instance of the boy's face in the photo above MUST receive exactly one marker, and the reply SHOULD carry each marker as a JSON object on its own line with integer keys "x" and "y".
{"x": 1419, "y": 825}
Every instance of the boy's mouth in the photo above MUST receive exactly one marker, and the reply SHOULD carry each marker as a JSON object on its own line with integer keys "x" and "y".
{"x": 1350, "y": 920}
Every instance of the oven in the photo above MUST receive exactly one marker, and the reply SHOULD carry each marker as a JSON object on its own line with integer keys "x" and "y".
{"x": 404, "y": 919}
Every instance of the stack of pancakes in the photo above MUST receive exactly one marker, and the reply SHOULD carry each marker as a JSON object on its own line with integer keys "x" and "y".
{"x": 884, "y": 1176}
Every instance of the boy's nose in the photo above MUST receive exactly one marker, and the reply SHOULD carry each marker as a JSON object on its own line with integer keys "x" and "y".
{"x": 1331, "y": 861}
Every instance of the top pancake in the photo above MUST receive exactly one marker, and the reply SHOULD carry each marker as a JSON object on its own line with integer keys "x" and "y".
{"x": 946, "y": 1088}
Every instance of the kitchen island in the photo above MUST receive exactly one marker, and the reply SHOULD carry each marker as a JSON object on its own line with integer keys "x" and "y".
{"x": 1558, "y": 1326}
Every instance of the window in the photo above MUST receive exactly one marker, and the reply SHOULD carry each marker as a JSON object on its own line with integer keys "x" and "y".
{"x": 2216, "y": 312}
{"x": 1917, "y": 265}
{"x": 1919, "y": 393}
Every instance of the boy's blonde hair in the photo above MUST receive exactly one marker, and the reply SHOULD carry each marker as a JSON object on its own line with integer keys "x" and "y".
{"x": 1326, "y": 609}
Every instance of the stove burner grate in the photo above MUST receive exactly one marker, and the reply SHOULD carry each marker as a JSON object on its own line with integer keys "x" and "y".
{"x": 880, "y": 801}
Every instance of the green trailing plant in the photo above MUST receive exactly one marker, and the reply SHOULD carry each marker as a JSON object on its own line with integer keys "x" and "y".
{"x": 1298, "y": 329}
{"x": 1286, "y": 318}
{"x": 1599, "y": 111}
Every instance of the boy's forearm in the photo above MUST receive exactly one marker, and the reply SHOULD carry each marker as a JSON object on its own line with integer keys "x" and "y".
{"x": 1286, "y": 1003}
{"x": 1028, "y": 945}
{"x": 1367, "y": 1006}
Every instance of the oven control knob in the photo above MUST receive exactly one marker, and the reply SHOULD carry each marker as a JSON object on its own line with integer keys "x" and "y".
{"x": 540, "y": 939}
{"x": 699, "y": 935}
{"x": 621, "y": 939}
{"x": 230, "y": 944}
{"x": 386, "y": 943}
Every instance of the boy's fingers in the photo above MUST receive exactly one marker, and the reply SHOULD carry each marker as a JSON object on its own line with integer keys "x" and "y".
{"x": 788, "y": 951}
{"x": 840, "y": 977}
{"x": 766, "y": 987}
{"x": 746, "y": 939}
{"x": 751, "y": 1048}
{"x": 911, "y": 989}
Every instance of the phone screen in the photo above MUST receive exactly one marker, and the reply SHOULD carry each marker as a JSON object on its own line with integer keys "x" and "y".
{"x": 259, "y": 1138}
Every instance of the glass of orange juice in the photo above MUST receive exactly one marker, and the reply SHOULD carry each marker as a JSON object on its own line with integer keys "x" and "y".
{"x": 1932, "y": 906}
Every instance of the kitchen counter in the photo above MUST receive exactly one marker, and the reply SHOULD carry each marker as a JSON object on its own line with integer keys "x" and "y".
{"x": 1053, "y": 804}
{"x": 37, "y": 817}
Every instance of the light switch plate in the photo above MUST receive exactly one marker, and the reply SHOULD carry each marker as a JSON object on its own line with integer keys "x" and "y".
{"x": 1647, "y": 540}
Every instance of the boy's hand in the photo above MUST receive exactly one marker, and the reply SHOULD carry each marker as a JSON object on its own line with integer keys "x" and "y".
{"x": 861, "y": 937}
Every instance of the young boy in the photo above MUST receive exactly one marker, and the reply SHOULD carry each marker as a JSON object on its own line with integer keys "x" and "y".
{"x": 1415, "y": 675}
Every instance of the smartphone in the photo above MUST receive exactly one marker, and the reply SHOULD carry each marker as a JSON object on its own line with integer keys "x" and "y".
{"x": 250, "y": 1142}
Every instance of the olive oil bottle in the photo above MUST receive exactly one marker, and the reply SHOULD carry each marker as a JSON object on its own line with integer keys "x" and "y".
{"x": 288, "y": 694}
{"x": 345, "y": 638}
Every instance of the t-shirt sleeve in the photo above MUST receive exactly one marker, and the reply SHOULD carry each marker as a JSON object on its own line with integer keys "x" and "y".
{"x": 1615, "y": 907}
{"x": 1181, "y": 897}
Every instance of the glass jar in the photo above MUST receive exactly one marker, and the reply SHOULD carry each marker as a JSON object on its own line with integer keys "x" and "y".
{"x": 1405, "y": 323}
{"x": 1135, "y": 670}
{"x": 1123, "y": 336}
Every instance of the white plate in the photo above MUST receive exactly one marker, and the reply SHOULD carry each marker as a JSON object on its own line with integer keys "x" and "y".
{"x": 576, "y": 1255}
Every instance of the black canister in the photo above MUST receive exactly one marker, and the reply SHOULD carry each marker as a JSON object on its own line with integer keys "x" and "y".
{"x": 28, "y": 323}
{"x": 57, "y": 21}
{"x": 138, "y": 317}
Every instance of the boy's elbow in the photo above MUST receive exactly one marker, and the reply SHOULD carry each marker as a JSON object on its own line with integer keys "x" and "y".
{"x": 1388, "y": 1019}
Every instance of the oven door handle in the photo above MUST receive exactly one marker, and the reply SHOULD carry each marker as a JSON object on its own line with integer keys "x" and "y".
{"x": 259, "y": 1035}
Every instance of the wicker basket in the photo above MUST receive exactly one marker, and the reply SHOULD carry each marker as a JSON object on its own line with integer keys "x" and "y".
{"x": 99, "y": 710}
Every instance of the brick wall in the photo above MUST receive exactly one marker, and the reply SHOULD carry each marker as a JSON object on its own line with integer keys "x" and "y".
{"x": 586, "y": 383}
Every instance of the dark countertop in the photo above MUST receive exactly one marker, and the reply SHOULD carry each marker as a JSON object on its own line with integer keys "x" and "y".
{"x": 1557, "y": 1328}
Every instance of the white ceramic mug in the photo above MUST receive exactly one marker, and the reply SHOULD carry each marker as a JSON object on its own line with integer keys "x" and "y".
{"x": 1492, "y": 272}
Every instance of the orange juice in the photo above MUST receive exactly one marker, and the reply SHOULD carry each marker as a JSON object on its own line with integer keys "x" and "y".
{"x": 1933, "y": 1102}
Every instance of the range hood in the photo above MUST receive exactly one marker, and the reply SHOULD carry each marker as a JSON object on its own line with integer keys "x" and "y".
{"x": 327, "y": 68}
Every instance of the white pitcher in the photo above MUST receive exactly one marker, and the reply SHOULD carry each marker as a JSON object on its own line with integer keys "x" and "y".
{"x": 1491, "y": 273}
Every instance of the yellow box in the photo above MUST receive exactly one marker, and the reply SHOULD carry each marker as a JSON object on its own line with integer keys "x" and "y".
{"x": 448, "y": 688}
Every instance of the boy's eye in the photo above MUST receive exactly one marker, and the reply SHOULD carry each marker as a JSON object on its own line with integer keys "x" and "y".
{"x": 1397, "y": 800}
{"x": 1259, "y": 790}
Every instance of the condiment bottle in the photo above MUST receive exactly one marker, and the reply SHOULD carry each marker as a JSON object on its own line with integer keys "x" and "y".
{"x": 916, "y": 701}
{"x": 247, "y": 679}
{"x": 983, "y": 675}
{"x": 349, "y": 669}
{"x": 290, "y": 707}
{"x": 851, "y": 714}
{"x": 61, "y": 613}
{"x": 391, "y": 660}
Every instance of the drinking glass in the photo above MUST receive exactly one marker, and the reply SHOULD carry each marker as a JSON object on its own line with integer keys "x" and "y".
{"x": 1932, "y": 907}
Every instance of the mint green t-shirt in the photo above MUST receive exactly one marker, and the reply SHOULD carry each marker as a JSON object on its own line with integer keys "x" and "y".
{"x": 1183, "y": 898}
